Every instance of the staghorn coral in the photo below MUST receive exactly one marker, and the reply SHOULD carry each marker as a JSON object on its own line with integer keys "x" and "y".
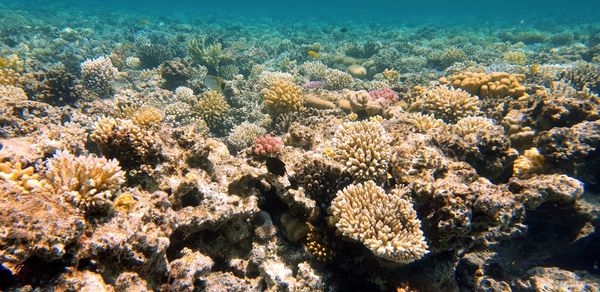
{"x": 446, "y": 57}
{"x": 267, "y": 78}
{"x": 212, "y": 108}
{"x": 98, "y": 75}
{"x": 495, "y": 85}
{"x": 448, "y": 104}
{"x": 363, "y": 149}
{"x": 125, "y": 141}
{"x": 282, "y": 97}
{"x": 88, "y": 182}
{"x": 386, "y": 224}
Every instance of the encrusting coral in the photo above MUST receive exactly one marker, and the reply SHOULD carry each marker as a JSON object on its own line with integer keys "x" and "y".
{"x": 86, "y": 181}
{"x": 386, "y": 224}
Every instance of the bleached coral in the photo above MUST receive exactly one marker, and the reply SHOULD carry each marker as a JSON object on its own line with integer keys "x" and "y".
{"x": 267, "y": 78}
{"x": 88, "y": 182}
{"x": 282, "y": 96}
{"x": 448, "y": 104}
{"x": 363, "y": 149}
{"x": 386, "y": 224}
{"x": 98, "y": 75}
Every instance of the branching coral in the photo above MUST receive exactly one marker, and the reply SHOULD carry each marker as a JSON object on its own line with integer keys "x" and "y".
{"x": 213, "y": 108}
{"x": 448, "y": 104}
{"x": 88, "y": 182}
{"x": 386, "y": 224}
{"x": 244, "y": 135}
{"x": 25, "y": 178}
{"x": 282, "y": 96}
{"x": 98, "y": 75}
{"x": 363, "y": 149}
{"x": 147, "y": 117}
{"x": 125, "y": 141}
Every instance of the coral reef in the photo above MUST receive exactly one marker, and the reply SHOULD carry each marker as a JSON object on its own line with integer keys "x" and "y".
{"x": 448, "y": 104}
{"x": 98, "y": 75}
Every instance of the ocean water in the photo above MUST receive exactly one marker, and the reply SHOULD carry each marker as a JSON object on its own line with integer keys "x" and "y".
{"x": 299, "y": 145}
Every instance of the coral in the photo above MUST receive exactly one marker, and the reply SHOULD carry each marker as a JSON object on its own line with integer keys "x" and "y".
{"x": 244, "y": 134}
{"x": 363, "y": 104}
{"x": 98, "y": 75}
{"x": 10, "y": 77}
{"x": 556, "y": 279}
{"x": 530, "y": 162}
{"x": 583, "y": 75}
{"x": 446, "y": 57}
{"x": 363, "y": 149}
{"x": 152, "y": 55}
{"x": 213, "y": 55}
{"x": 448, "y": 104}
{"x": 175, "y": 72}
{"x": 336, "y": 79}
{"x": 267, "y": 146}
{"x": 184, "y": 94}
{"x": 133, "y": 62}
{"x": 319, "y": 244}
{"x": 213, "y": 108}
{"x": 14, "y": 93}
{"x": 423, "y": 123}
{"x": 130, "y": 144}
{"x": 393, "y": 231}
{"x": 575, "y": 150}
{"x": 300, "y": 136}
{"x": 88, "y": 182}
{"x": 314, "y": 69}
{"x": 282, "y": 97}
{"x": 147, "y": 117}
{"x": 25, "y": 178}
{"x": 470, "y": 125}
{"x": 386, "y": 94}
{"x": 320, "y": 179}
{"x": 56, "y": 86}
{"x": 267, "y": 78}
{"x": 494, "y": 85}
{"x": 515, "y": 57}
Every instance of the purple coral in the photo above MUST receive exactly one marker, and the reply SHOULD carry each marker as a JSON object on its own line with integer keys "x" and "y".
{"x": 314, "y": 84}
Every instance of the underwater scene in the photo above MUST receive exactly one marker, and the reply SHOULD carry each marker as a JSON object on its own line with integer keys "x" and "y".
{"x": 299, "y": 145}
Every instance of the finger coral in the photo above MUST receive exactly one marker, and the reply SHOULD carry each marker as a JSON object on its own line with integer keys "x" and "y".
{"x": 98, "y": 75}
{"x": 386, "y": 224}
{"x": 213, "y": 108}
{"x": 363, "y": 149}
{"x": 88, "y": 182}
{"x": 282, "y": 97}
{"x": 448, "y": 104}
{"x": 130, "y": 144}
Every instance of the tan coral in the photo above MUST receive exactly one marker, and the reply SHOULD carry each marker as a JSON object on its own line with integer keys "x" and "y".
{"x": 213, "y": 108}
{"x": 447, "y": 103}
{"x": 530, "y": 162}
{"x": 386, "y": 224}
{"x": 496, "y": 84}
{"x": 471, "y": 125}
{"x": 25, "y": 178}
{"x": 147, "y": 117}
{"x": 88, "y": 182}
{"x": 363, "y": 149}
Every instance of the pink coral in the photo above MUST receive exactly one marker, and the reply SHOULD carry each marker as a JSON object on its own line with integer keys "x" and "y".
{"x": 386, "y": 94}
{"x": 267, "y": 145}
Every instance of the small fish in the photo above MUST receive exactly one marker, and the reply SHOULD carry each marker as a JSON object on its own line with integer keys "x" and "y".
{"x": 214, "y": 82}
{"x": 344, "y": 29}
{"x": 314, "y": 54}
{"x": 275, "y": 166}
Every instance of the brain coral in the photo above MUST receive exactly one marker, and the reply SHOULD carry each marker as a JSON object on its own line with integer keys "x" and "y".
{"x": 98, "y": 75}
{"x": 363, "y": 149}
{"x": 387, "y": 224}
{"x": 88, "y": 182}
{"x": 448, "y": 104}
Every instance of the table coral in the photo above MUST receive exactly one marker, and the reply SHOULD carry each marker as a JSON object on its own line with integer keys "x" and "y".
{"x": 386, "y": 224}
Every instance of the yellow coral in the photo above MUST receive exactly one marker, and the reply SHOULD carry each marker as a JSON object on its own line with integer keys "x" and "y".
{"x": 386, "y": 224}
{"x": 496, "y": 84}
{"x": 449, "y": 104}
{"x": 213, "y": 108}
{"x": 25, "y": 178}
{"x": 10, "y": 77}
{"x": 282, "y": 97}
{"x": 124, "y": 202}
{"x": 147, "y": 117}
{"x": 318, "y": 244}
{"x": 529, "y": 163}
{"x": 12, "y": 93}
{"x": 515, "y": 57}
